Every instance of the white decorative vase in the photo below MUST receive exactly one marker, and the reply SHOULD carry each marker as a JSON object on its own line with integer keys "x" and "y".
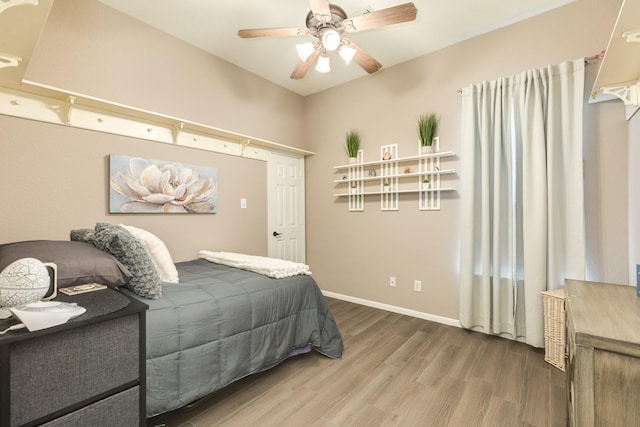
{"x": 426, "y": 185}
{"x": 25, "y": 281}
{"x": 426, "y": 149}
{"x": 353, "y": 160}
{"x": 386, "y": 188}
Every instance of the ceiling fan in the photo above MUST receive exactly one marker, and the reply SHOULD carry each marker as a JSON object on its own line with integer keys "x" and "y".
{"x": 327, "y": 22}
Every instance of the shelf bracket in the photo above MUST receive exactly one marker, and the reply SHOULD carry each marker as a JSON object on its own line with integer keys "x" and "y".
{"x": 6, "y": 4}
{"x": 176, "y": 131}
{"x": 68, "y": 105}
{"x": 7, "y": 60}
{"x": 244, "y": 145}
{"x": 632, "y": 36}
{"x": 627, "y": 92}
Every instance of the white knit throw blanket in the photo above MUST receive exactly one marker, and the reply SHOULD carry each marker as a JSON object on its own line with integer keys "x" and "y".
{"x": 271, "y": 267}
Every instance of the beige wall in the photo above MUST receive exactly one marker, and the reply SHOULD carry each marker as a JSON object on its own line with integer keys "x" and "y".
{"x": 606, "y": 181}
{"x": 54, "y": 178}
{"x": 355, "y": 253}
{"x": 57, "y": 175}
{"x": 92, "y": 49}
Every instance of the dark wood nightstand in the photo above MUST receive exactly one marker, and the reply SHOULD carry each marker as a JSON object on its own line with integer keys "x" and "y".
{"x": 89, "y": 371}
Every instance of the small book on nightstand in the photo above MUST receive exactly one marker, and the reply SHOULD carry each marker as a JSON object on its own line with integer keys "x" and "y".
{"x": 82, "y": 289}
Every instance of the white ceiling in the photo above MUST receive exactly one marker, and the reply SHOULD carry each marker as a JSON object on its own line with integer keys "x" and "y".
{"x": 212, "y": 25}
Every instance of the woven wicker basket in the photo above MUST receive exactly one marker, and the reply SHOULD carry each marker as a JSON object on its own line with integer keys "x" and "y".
{"x": 555, "y": 334}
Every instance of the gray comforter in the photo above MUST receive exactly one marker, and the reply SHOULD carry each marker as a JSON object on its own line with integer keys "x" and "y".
{"x": 220, "y": 324}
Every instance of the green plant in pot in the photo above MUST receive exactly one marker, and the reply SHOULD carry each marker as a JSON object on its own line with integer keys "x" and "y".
{"x": 353, "y": 145}
{"x": 427, "y": 125}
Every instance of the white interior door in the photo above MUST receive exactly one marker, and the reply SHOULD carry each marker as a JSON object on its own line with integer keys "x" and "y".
{"x": 286, "y": 207}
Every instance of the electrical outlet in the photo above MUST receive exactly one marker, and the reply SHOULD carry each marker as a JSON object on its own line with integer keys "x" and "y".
{"x": 417, "y": 285}
{"x": 392, "y": 281}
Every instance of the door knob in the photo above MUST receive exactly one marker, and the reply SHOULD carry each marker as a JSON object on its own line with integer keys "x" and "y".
{"x": 276, "y": 234}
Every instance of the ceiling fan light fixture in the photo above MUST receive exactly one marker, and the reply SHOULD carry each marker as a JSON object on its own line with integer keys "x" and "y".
{"x": 305, "y": 50}
{"x": 347, "y": 53}
{"x": 326, "y": 23}
{"x": 323, "y": 65}
{"x": 330, "y": 39}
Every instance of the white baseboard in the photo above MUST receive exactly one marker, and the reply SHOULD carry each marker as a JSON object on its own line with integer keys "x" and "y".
{"x": 395, "y": 309}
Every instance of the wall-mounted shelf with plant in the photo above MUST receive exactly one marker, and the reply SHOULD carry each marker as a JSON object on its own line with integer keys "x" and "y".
{"x": 355, "y": 171}
{"x": 427, "y": 126}
{"x": 391, "y": 182}
{"x": 352, "y": 141}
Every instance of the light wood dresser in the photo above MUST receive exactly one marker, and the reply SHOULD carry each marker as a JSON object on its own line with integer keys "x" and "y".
{"x": 603, "y": 344}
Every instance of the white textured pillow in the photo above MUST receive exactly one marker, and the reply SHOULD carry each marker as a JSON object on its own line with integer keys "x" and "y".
{"x": 157, "y": 251}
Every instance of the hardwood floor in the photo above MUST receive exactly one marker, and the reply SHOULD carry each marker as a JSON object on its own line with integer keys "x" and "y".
{"x": 396, "y": 371}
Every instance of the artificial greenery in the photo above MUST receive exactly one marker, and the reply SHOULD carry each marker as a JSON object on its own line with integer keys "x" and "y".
{"x": 427, "y": 125}
{"x": 353, "y": 143}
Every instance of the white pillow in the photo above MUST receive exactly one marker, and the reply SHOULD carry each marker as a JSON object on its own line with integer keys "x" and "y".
{"x": 157, "y": 251}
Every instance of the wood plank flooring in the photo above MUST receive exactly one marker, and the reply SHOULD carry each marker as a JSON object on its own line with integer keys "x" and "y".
{"x": 396, "y": 371}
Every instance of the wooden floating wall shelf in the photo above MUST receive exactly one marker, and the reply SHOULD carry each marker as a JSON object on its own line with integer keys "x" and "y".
{"x": 384, "y": 178}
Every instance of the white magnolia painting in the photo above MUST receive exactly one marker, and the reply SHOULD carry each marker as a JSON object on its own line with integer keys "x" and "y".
{"x": 140, "y": 185}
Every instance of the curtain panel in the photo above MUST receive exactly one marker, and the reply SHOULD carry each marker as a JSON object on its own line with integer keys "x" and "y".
{"x": 522, "y": 197}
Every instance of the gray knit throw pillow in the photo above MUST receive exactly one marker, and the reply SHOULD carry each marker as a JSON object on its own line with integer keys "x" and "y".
{"x": 129, "y": 251}
{"x": 82, "y": 235}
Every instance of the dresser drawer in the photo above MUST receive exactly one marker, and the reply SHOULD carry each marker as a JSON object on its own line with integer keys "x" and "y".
{"x": 119, "y": 410}
{"x": 56, "y": 371}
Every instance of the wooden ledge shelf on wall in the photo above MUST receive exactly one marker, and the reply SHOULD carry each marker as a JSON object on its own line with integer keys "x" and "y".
{"x": 619, "y": 73}
{"x": 373, "y": 193}
{"x": 401, "y": 159}
{"x": 55, "y": 106}
{"x": 6, "y": 4}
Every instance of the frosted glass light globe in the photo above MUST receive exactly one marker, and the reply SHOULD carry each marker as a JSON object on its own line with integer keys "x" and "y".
{"x": 330, "y": 39}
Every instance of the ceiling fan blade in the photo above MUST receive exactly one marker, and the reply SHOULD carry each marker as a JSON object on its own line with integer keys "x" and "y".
{"x": 321, "y": 9}
{"x": 272, "y": 32}
{"x": 303, "y": 66}
{"x": 380, "y": 18}
{"x": 366, "y": 61}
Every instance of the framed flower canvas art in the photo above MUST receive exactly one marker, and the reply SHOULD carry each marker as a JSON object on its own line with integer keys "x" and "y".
{"x": 139, "y": 185}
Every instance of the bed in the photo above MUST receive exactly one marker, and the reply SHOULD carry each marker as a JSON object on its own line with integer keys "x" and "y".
{"x": 210, "y": 325}
{"x": 220, "y": 324}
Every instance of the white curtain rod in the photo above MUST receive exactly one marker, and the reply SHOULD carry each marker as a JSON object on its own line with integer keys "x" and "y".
{"x": 597, "y": 57}
{"x": 588, "y": 59}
